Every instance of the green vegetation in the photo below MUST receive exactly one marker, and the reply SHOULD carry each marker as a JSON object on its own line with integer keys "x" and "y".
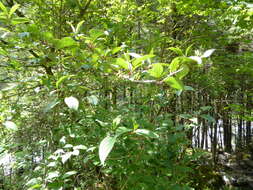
{"x": 124, "y": 94}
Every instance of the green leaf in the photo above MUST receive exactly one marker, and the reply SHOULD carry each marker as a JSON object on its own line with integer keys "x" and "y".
{"x": 93, "y": 100}
{"x": 176, "y": 50}
{"x": 189, "y": 88}
{"x": 146, "y": 133}
{"x": 174, "y": 83}
{"x": 72, "y": 102}
{"x": 65, "y": 157}
{"x": 116, "y": 121}
{"x": 63, "y": 78}
{"x": 122, "y": 130}
{"x": 80, "y": 147}
{"x": 187, "y": 51}
{"x": 79, "y": 26}
{"x": 36, "y": 186}
{"x": 68, "y": 174}
{"x": 134, "y": 55}
{"x": 4, "y": 9}
{"x": 116, "y": 50}
{"x": 184, "y": 72}
{"x": 205, "y": 108}
{"x": 175, "y": 64}
{"x": 139, "y": 60}
{"x": 32, "y": 181}
{"x": 52, "y": 175}
{"x": 10, "y": 125}
{"x": 3, "y": 52}
{"x": 121, "y": 62}
{"x": 95, "y": 33}
{"x": 208, "y": 53}
{"x": 19, "y": 20}
{"x": 208, "y": 118}
{"x": 65, "y": 42}
{"x": 51, "y": 105}
{"x": 105, "y": 148}
{"x": 197, "y": 59}
{"x": 13, "y": 9}
{"x": 156, "y": 71}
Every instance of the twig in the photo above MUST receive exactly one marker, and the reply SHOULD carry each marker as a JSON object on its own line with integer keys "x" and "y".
{"x": 126, "y": 77}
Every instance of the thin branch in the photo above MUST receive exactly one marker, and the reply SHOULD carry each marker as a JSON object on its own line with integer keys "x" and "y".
{"x": 126, "y": 77}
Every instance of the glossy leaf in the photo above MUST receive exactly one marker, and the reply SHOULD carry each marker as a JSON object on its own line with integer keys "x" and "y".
{"x": 122, "y": 130}
{"x": 68, "y": 174}
{"x": 146, "y": 133}
{"x": 52, "y": 175}
{"x": 208, "y": 53}
{"x": 10, "y": 125}
{"x": 197, "y": 59}
{"x": 116, "y": 121}
{"x": 65, "y": 157}
{"x": 72, "y": 102}
{"x": 105, "y": 148}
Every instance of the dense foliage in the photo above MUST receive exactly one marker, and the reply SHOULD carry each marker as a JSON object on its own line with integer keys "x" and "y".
{"x": 123, "y": 94}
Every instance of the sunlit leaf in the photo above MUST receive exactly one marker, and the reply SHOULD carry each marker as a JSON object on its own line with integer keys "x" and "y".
{"x": 95, "y": 33}
{"x": 176, "y": 50}
{"x": 10, "y": 125}
{"x": 208, "y": 53}
{"x": 122, "y": 130}
{"x": 72, "y": 102}
{"x": 183, "y": 72}
{"x": 4, "y": 9}
{"x": 78, "y": 27}
{"x": 116, "y": 121}
{"x": 76, "y": 152}
{"x": 175, "y": 64}
{"x": 174, "y": 83}
{"x": 139, "y": 60}
{"x": 121, "y": 62}
{"x": 146, "y": 133}
{"x": 156, "y": 71}
{"x": 197, "y": 59}
{"x": 105, "y": 148}
{"x": 116, "y": 49}
{"x": 93, "y": 100}
{"x": 68, "y": 174}
{"x": 50, "y": 105}
{"x": 13, "y": 9}
{"x": 19, "y": 20}
{"x": 134, "y": 55}
{"x": 80, "y": 147}
{"x": 63, "y": 78}
{"x": 65, "y": 42}
{"x": 65, "y": 157}
{"x": 52, "y": 175}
